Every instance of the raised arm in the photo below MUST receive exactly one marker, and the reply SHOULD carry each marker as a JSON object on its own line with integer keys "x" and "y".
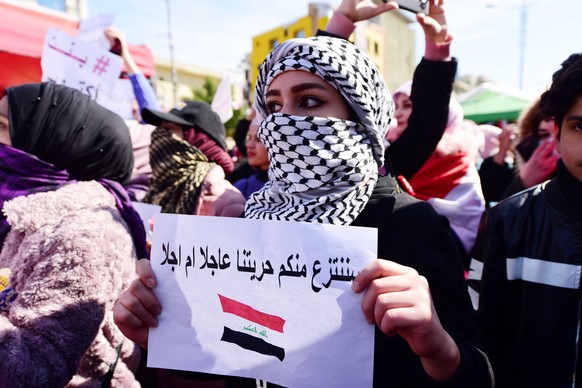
{"x": 432, "y": 86}
{"x": 142, "y": 90}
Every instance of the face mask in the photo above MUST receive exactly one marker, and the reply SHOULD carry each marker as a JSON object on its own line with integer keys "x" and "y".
{"x": 322, "y": 170}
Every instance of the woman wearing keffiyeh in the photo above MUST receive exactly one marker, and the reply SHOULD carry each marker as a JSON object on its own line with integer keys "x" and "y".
{"x": 326, "y": 111}
{"x": 69, "y": 239}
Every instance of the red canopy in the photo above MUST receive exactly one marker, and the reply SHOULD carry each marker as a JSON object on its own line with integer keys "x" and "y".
{"x": 22, "y": 34}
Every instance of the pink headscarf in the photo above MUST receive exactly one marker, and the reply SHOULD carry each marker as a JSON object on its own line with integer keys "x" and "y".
{"x": 457, "y": 137}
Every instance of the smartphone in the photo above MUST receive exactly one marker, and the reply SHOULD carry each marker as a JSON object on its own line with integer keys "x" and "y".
{"x": 527, "y": 146}
{"x": 415, "y": 6}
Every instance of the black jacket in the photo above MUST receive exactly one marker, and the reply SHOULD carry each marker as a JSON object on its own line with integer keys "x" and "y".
{"x": 530, "y": 250}
{"x": 432, "y": 85}
{"x": 411, "y": 233}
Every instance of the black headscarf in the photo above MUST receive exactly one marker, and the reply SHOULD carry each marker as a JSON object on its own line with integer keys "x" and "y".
{"x": 70, "y": 138}
{"x": 91, "y": 143}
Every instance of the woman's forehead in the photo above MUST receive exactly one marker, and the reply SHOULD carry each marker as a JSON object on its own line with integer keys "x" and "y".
{"x": 4, "y": 106}
{"x": 293, "y": 78}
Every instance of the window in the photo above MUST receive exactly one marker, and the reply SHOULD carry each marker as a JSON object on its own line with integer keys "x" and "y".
{"x": 300, "y": 34}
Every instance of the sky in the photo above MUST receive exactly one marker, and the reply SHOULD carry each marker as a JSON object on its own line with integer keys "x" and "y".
{"x": 216, "y": 34}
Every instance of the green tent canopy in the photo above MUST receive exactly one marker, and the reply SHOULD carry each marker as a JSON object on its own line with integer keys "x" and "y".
{"x": 487, "y": 102}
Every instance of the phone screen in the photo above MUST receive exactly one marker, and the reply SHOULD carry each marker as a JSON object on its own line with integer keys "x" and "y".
{"x": 527, "y": 146}
{"x": 415, "y": 6}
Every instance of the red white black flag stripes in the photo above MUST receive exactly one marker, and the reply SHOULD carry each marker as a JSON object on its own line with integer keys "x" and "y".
{"x": 246, "y": 338}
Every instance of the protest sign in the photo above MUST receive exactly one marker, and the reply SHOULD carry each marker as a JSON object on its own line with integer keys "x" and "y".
{"x": 91, "y": 30}
{"x": 265, "y": 299}
{"x": 79, "y": 65}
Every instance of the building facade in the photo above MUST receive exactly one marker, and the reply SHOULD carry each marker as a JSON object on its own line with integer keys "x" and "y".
{"x": 192, "y": 77}
{"x": 387, "y": 39}
{"x": 75, "y": 8}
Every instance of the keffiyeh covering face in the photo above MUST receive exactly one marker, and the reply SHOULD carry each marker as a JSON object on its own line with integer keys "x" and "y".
{"x": 322, "y": 169}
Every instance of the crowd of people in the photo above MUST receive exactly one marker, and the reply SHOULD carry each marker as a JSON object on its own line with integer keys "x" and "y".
{"x": 477, "y": 281}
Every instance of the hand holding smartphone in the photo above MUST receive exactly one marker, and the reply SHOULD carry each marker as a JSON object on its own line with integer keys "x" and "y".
{"x": 415, "y": 6}
{"x": 527, "y": 146}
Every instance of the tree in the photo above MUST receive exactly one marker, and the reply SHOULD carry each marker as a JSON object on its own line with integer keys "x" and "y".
{"x": 206, "y": 93}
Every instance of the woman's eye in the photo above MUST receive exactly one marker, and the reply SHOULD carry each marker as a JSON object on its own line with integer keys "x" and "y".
{"x": 310, "y": 102}
{"x": 273, "y": 107}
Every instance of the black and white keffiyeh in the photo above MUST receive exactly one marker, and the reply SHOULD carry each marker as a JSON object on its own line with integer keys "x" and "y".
{"x": 322, "y": 169}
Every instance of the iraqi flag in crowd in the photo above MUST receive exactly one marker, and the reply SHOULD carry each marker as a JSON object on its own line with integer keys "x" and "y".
{"x": 251, "y": 329}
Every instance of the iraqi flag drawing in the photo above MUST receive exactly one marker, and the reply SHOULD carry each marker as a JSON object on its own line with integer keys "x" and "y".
{"x": 251, "y": 329}
{"x": 289, "y": 320}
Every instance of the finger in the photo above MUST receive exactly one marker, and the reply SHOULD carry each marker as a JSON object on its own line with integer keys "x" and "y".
{"x": 378, "y": 288}
{"x": 400, "y": 319}
{"x": 141, "y": 302}
{"x": 385, "y": 7}
{"x": 376, "y": 269}
{"x": 380, "y": 293}
{"x": 549, "y": 147}
{"x": 122, "y": 316}
{"x": 137, "y": 335}
{"x": 394, "y": 300}
{"x": 543, "y": 151}
{"x": 144, "y": 271}
{"x": 390, "y": 5}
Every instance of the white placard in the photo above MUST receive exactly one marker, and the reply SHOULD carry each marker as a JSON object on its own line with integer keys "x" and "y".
{"x": 92, "y": 30}
{"x": 82, "y": 66}
{"x": 121, "y": 99}
{"x": 263, "y": 299}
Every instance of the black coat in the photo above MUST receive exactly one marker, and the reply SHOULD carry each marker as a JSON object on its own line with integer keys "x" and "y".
{"x": 530, "y": 250}
{"x": 411, "y": 233}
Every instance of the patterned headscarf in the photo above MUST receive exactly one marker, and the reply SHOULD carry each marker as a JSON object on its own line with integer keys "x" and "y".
{"x": 178, "y": 171}
{"x": 323, "y": 169}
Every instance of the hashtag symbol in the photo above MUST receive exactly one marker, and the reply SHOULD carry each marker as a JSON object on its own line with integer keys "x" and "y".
{"x": 101, "y": 65}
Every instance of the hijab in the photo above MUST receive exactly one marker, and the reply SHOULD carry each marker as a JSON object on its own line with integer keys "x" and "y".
{"x": 60, "y": 136}
{"x": 67, "y": 129}
{"x": 179, "y": 170}
{"x": 322, "y": 169}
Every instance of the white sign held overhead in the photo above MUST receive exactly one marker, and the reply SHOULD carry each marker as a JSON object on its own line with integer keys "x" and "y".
{"x": 222, "y": 101}
{"x": 91, "y": 30}
{"x": 79, "y": 65}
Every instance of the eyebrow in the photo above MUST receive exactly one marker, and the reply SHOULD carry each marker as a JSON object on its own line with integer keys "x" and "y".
{"x": 573, "y": 118}
{"x": 298, "y": 88}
